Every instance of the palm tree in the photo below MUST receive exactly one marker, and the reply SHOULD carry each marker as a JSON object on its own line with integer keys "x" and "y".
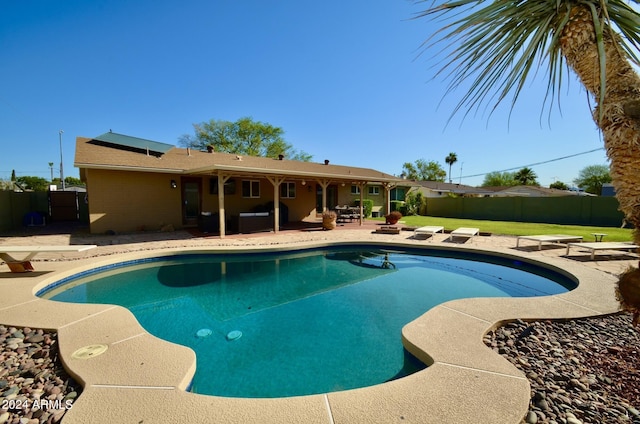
{"x": 497, "y": 43}
{"x": 526, "y": 176}
{"x": 451, "y": 159}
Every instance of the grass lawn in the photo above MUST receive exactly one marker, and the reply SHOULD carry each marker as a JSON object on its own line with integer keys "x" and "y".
{"x": 521, "y": 228}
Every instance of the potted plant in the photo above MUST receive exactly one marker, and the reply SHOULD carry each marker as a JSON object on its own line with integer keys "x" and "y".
{"x": 329, "y": 220}
{"x": 393, "y": 217}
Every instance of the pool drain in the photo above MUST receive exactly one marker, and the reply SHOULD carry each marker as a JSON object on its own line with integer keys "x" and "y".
{"x": 90, "y": 351}
{"x": 234, "y": 335}
{"x": 203, "y": 332}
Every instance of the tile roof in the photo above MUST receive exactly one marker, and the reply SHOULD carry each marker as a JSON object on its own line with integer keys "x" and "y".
{"x": 90, "y": 153}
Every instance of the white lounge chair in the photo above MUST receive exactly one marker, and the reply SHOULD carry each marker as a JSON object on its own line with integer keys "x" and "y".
{"x": 24, "y": 265}
{"x": 429, "y": 230}
{"x": 602, "y": 246}
{"x": 551, "y": 238}
{"x": 464, "y": 232}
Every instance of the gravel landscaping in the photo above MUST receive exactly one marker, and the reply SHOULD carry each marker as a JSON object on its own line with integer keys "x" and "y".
{"x": 580, "y": 371}
{"x": 34, "y": 387}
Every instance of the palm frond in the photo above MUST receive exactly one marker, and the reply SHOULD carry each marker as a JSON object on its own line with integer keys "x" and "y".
{"x": 497, "y": 46}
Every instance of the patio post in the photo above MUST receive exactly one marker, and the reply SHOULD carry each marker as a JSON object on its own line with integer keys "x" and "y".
{"x": 362, "y": 185}
{"x": 276, "y": 181}
{"x": 324, "y": 184}
{"x": 221, "y": 180}
{"x": 387, "y": 189}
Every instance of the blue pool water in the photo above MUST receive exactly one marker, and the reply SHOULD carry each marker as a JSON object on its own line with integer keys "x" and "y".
{"x": 315, "y": 321}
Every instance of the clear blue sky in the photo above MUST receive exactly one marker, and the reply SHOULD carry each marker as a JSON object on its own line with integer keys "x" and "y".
{"x": 342, "y": 78}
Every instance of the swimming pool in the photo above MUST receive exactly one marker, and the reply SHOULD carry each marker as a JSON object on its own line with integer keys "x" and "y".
{"x": 295, "y": 323}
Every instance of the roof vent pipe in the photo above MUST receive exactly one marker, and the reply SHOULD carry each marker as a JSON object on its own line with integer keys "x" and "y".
{"x": 326, "y": 161}
{"x": 210, "y": 148}
{"x": 280, "y": 157}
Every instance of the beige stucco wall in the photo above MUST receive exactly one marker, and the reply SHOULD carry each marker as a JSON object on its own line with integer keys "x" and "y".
{"x": 345, "y": 197}
{"x": 300, "y": 207}
{"x": 125, "y": 201}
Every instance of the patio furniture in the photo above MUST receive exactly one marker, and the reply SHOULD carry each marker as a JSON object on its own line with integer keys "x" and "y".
{"x": 464, "y": 232}
{"x": 347, "y": 213}
{"x": 429, "y": 230}
{"x": 24, "y": 265}
{"x": 388, "y": 229}
{"x": 209, "y": 222}
{"x": 249, "y": 222}
{"x": 551, "y": 238}
{"x": 602, "y": 246}
{"x": 598, "y": 236}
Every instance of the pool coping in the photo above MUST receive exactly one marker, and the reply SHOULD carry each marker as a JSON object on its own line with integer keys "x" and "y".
{"x": 143, "y": 378}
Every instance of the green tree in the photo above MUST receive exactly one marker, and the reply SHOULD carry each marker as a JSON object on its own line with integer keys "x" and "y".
{"x": 33, "y": 183}
{"x": 499, "y": 179}
{"x": 243, "y": 137}
{"x": 422, "y": 170}
{"x": 526, "y": 176}
{"x": 450, "y": 160}
{"x": 497, "y": 43}
{"x": 72, "y": 181}
{"x": 414, "y": 202}
{"x": 559, "y": 185}
{"x": 592, "y": 177}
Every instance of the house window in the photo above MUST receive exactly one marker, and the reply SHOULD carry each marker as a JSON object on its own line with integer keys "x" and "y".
{"x": 398, "y": 194}
{"x": 355, "y": 189}
{"x": 250, "y": 188}
{"x": 374, "y": 190}
{"x": 229, "y": 186}
{"x": 288, "y": 190}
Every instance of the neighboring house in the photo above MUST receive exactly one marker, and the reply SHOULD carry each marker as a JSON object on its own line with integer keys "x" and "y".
{"x": 442, "y": 189}
{"x": 133, "y": 184}
{"x": 532, "y": 191}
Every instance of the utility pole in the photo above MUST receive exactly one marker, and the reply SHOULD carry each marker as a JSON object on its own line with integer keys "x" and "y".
{"x": 61, "y": 165}
{"x": 51, "y": 169}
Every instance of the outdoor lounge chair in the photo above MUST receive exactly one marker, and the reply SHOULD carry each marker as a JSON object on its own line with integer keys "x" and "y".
{"x": 464, "y": 232}
{"x": 551, "y": 238}
{"x": 602, "y": 246}
{"x": 429, "y": 230}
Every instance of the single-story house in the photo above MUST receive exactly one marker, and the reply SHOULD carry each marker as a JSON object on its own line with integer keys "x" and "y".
{"x": 135, "y": 184}
{"x": 442, "y": 189}
{"x": 532, "y": 191}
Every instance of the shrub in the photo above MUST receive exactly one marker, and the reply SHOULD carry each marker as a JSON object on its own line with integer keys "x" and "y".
{"x": 393, "y": 217}
{"x": 414, "y": 202}
{"x": 329, "y": 215}
{"x": 367, "y": 206}
{"x": 329, "y": 220}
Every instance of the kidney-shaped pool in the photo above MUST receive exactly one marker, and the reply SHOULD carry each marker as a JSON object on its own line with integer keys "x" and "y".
{"x": 300, "y": 322}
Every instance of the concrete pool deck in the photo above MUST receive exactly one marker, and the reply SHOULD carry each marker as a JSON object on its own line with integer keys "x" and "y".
{"x": 140, "y": 378}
